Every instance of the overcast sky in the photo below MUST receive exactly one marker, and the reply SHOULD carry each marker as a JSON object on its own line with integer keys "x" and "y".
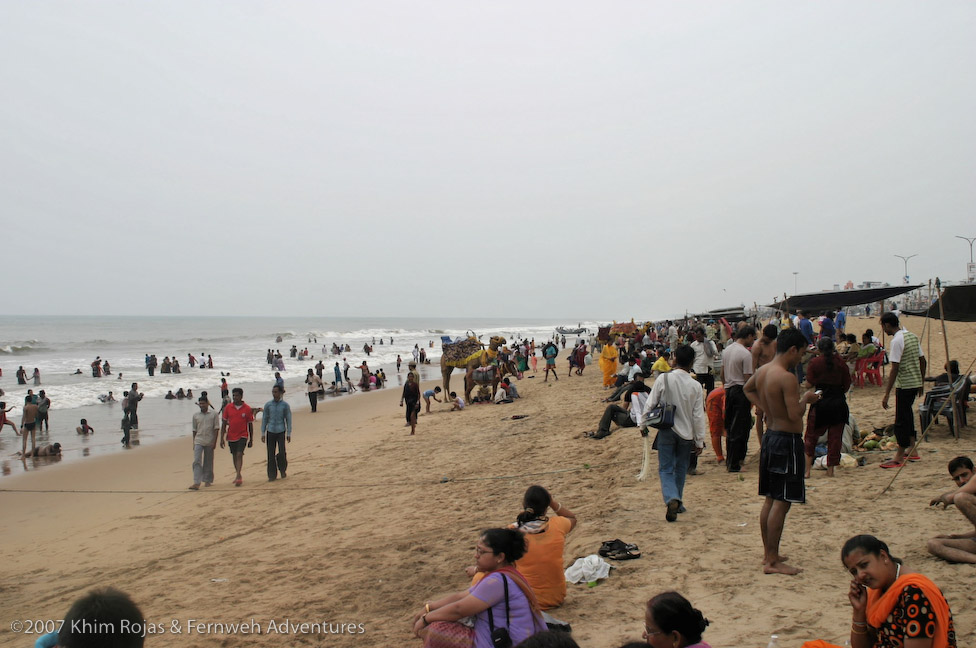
{"x": 519, "y": 159}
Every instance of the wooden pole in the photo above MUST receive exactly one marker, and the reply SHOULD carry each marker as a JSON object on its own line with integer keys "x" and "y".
{"x": 928, "y": 339}
{"x": 945, "y": 340}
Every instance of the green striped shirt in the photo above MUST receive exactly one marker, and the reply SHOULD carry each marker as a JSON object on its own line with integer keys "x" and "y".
{"x": 909, "y": 369}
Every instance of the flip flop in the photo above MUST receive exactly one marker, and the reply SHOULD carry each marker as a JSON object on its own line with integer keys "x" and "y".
{"x": 891, "y": 463}
{"x": 623, "y": 554}
{"x": 914, "y": 458}
{"x": 238, "y": 482}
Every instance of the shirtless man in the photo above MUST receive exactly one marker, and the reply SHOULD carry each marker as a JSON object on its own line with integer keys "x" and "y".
{"x": 781, "y": 463}
{"x": 958, "y": 547}
{"x": 48, "y": 450}
{"x": 763, "y": 351}
{"x": 28, "y": 421}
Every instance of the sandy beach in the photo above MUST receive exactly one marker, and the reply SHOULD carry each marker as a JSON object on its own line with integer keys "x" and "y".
{"x": 371, "y": 522}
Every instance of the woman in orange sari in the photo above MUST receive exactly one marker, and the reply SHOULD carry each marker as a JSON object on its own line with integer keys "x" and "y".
{"x": 893, "y": 606}
{"x": 608, "y": 364}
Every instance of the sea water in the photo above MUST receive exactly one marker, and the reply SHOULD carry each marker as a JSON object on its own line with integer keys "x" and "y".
{"x": 59, "y": 346}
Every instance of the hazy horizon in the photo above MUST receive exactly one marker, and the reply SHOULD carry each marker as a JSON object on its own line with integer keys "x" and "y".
{"x": 563, "y": 161}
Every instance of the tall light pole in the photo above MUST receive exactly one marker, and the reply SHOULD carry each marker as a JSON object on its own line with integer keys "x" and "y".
{"x": 970, "y": 240}
{"x": 971, "y": 268}
{"x": 794, "y": 282}
{"x": 905, "y": 259}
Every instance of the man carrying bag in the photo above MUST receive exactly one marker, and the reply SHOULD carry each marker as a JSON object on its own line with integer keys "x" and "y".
{"x": 686, "y": 436}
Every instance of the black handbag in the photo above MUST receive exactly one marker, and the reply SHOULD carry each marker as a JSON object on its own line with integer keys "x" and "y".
{"x": 499, "y": 636}
{"x": 661, "y": 417}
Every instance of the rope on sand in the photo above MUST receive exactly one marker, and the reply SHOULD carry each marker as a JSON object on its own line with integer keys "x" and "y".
{"x": 443, "y": 480}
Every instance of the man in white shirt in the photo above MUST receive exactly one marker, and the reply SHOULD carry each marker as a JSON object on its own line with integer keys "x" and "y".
{"x": 676, "y": 445}
{"x": 705, "y": 351}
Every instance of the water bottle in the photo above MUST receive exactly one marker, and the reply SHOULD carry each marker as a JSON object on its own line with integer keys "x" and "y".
{"x": 773, "y": 641}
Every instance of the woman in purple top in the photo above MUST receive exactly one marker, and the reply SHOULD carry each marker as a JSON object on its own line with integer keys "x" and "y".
{"x": 671, "y": 622}
{"x": 496, "y": 553}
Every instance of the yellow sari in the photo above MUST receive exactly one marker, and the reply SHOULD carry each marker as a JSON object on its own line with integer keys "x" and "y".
{"x": 608, "y": 364}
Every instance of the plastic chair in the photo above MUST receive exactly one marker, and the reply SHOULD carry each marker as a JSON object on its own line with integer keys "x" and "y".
{"x": 959, "y": 391}
{"x": 869, "y": 368}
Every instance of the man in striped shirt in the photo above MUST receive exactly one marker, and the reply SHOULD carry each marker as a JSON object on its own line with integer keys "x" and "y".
{"x": 907, "y": 370}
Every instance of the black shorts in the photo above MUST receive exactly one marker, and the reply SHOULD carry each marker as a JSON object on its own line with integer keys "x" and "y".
{"x": 29, "y": 427}
{"x": 237, "y": 447}
{"x": 781, "y": 467}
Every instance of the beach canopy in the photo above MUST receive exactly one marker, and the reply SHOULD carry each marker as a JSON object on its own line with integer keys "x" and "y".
{"x": 959, "y": 303}
{"x": 836, "y": 299}
{"x": 733, "y": 314}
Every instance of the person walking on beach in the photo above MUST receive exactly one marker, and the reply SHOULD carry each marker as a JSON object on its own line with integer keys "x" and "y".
{"x": 781, "y": 462}
{"x": 399, "y": 361}
{"x": 314, "y": 385}
{"x": 204, "y": 429}
{"x": 345, "y": 369}
{"x": 133, "y": 406}
{"x": 275, "y": 432}
{"x": 28, "y": 422}
{"x": 677, "y": 444}
{"x": 237, "y": 424}
{"x": 737, "y": 369}
{"x": 5, "y": 421}
{"x": 907, "y": 369}
{"x": 411, "y": 395}
{"x": 338, "y": 374}
{"x": 549, "y": 352}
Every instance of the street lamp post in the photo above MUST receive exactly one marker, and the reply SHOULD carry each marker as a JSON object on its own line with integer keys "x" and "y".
{"x": 970, "y": 241}
{"x": 905, "y": 259}
{"x": 971, "y": 268}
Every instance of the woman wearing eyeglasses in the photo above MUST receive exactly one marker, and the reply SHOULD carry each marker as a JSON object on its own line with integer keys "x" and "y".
{"x": 495, "y": 553}
{"x": 670, "y": 621}
{"x": 893, "y": 606}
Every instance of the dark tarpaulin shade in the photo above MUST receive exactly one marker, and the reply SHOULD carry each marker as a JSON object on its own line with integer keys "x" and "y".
{"x": 959, "y": 303}
{"x": 824, "y": 301}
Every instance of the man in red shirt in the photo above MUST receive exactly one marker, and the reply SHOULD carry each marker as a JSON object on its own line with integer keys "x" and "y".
{"x": 237, "y": 422}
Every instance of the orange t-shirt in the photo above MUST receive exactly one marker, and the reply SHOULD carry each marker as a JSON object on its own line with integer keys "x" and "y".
{"x": 542, "y": 564}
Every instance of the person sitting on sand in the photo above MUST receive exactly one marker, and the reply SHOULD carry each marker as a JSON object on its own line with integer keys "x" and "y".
{"x": 892, "y": 605}
{"x": 496, "y": 552}
{"x": 626, "y": 416}
{"x": 958, "y": 547}
{"x": 670, "y": 621}
{"x": 431, "y": 393}
{"x": 545, "y": 540}
{"x": 84, "y": 428}
{"x": 458, "y": 403}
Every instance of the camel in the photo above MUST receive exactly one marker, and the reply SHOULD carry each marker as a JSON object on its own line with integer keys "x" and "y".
{"x": 465, "y": 355}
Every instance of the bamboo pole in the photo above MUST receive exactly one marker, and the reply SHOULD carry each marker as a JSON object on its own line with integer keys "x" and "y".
{"x": 945, "y": 340}
{"x": 928, "y": 339}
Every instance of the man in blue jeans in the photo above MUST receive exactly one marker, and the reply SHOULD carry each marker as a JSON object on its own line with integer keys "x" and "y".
{"x": 275, "y": 430}
{"x": 676, "y": 445}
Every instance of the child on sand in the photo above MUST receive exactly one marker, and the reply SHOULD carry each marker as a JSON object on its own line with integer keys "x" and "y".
{"x": 431, "y": 393}
{"x": 458, "y": 402}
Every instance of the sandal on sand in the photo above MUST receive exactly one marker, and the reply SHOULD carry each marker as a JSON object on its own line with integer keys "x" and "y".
{"x": 891, "y": 463}
{"x": 624, "y": 554}
{"x": 194, "y": 487}
{"x": 914, "y": 457}
{"x": 238, "y": 482}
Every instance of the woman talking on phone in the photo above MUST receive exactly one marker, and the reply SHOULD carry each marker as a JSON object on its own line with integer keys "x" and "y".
{"x": 894, "y": 607}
